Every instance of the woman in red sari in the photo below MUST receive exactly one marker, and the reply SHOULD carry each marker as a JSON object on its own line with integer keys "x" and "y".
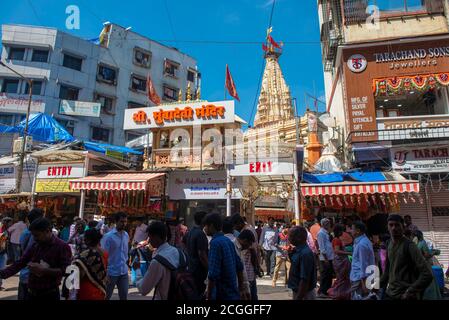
{"x": 341, "y": 289}
{"x": 92, "y": 264}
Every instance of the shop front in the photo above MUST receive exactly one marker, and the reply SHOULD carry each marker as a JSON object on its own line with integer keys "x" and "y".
{"x": 194, "y": 191}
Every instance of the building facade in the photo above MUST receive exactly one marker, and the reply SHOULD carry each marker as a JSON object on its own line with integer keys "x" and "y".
{"x": 386, "y": 80}
{"x": 112, "y": 73}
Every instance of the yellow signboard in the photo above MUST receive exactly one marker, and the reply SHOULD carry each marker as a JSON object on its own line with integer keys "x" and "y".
{"x": 53, "y": 186}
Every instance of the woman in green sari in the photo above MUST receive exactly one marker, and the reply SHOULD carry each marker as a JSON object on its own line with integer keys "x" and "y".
{"x": 433, "y": 291}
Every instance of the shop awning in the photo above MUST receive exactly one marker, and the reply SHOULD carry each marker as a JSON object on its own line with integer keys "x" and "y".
{"x": 115, "y": 181}
{"x": 347, "y": 188}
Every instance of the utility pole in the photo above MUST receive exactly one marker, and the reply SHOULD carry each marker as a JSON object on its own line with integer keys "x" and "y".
{"x": 25, "y": 131}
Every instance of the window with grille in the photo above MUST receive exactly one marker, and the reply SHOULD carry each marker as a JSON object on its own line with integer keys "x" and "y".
{"x": 39, "y": 55}
{"x": 16, "y": 53}
{"x": 171, "y": 68}
{"x": 107, "y": 103}
{"x": 36, "y": 90}
{"x": 440, "y": 211}
{"x": 68, "y": 93}
{"x": 107, "y": 74}
{"x": 69, "y": 125}
{"x": 100, "y": 134}
{"x": 142, "y": 58}
{"x": 138, "y": 83}
{"x": 191, "y": 75}
{"x": 135, "y": 105}
{"x": 72, "y": 62}
{"x": 10, "y": 86}
{"x": 170, "y": 93}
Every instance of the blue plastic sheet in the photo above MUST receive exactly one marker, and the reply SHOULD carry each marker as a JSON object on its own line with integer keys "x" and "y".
{"x": 358, "y": 176}
{"x": 103, "y": 147}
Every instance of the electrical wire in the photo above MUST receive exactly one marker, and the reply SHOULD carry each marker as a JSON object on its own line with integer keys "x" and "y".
{"x": 34, "y": 11}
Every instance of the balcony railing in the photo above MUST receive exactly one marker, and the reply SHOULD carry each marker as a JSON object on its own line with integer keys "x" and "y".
{"x": 355, "y": 11}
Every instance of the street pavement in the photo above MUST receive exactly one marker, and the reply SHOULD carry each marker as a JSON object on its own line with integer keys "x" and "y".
{"x": 265, "y": 290}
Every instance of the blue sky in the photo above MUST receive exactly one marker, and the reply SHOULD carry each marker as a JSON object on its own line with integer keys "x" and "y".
{"x": 218, "y": 20}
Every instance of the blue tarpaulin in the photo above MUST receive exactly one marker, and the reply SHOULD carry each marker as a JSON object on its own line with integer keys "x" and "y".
{"x": 42, "y": 128}
{"x": 103, "y": 147}
{"x": 357, "y": 176}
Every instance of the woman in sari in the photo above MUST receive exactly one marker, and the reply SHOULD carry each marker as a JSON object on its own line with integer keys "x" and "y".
{"x": 341, "y": 289}
{"x": 433, "y": 291}
{"x": 92, "y": 264}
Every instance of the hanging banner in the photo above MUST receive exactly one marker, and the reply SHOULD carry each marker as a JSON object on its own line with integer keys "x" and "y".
{"x": 80, "y": 108}
{"x": 200, "y": 185}
{"x": 420, "y": 160}
{"x": 15, "y": 103}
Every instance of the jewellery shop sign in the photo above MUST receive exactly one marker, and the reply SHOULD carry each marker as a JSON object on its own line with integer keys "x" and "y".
{"x": 177, "y": 115}
{"x": 420, "y": 160}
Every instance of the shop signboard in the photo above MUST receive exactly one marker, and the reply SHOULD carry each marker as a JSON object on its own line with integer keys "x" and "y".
{"x": 369, "y": 72}
{"x": 263, "y": 168}
{"x": 413, "y": 128}
{"x": 16, "y": 103}
{"x": 176, "y": 115}
{"x": 80, "y": 108}
{"x": 55, "y": 177}
{"x": 200, "y": 185}
{"x": 420, "y": 159}
{"x": 8, "y": 177}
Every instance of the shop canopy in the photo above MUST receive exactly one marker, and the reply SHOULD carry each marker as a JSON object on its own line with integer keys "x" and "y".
{"x": 115, "y": 181}
{"x": 357, "y": 188}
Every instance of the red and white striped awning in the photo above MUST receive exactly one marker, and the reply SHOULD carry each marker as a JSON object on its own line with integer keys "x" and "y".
{"x": 341, "y": 189}
{"x": 115, "y": 181}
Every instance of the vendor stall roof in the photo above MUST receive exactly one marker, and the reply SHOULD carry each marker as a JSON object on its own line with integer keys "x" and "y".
{"x": 115, "y": 181}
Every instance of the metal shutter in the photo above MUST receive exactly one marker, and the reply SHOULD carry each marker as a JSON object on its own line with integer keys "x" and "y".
{"x": 417, "y": 211}
{"x": 441, "y": 225}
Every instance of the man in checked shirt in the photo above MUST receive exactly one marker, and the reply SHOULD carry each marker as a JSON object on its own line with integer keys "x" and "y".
{"x": 47, "y": 261}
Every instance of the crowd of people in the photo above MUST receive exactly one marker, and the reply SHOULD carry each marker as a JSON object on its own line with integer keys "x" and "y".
{"x": 217, "y": 259}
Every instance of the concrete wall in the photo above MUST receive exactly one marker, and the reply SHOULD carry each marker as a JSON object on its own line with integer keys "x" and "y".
{"x": 397, "y": 28}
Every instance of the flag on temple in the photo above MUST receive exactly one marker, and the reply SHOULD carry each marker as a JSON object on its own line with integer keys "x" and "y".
{"x": 264, "y": 47}
{"x": 230, "y": 85}
{"x": 152, "y": 94}
{"x": 273, "y": 43}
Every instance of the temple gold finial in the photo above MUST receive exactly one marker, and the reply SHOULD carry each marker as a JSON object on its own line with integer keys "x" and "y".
{"x": 189, "y": 93}
{"x": 198, "y": 94}
{"x": 180, "y": 95}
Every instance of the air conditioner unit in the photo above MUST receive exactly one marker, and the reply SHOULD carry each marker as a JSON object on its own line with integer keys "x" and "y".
{"x": 18, "y": 143}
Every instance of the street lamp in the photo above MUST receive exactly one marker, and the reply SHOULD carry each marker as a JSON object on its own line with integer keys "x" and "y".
{"x": 25, "y": 131}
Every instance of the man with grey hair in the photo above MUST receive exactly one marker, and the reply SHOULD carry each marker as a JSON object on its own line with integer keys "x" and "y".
{"x": 326, "y": 257}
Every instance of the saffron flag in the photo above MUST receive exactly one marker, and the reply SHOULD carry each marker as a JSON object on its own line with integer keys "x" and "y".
{"x": 230, "y": 85}
{"x": 264, "y": 47}
{"x": 273, "y": 43}
{"x": 152, "y": 94}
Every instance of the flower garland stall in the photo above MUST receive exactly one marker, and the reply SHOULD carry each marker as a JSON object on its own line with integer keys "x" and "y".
{"x": 136, "y": 194}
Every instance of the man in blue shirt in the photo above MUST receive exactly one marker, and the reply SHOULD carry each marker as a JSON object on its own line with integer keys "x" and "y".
{"x": 326, "y": 257}
{"x": 362, "y": 258}
{"x": 115, "y": 243}
{"x": 225, "y": 266}
{"x": 26, "y": 242}
{"x": 303, "y": 274}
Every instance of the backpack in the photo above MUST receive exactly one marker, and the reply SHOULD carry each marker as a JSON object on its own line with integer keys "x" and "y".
{"x": 182, "y": 283}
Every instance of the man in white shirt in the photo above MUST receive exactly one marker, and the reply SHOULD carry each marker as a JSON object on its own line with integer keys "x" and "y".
{"x": 326, "y": 257}
{"x": 15, "y": 231}
{"x": 158, "y": 276}
{"x": 141, "y": 231}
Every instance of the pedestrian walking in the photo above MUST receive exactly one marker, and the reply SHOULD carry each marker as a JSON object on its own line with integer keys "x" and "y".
{"x": 341, "y": 288}
{"x": 268, "y": 243}
{"x": 303, "y": 274}
{"x": 225, "y": 277}
{"x": 362, "y": 259}
{"x": 115, "y": 243}
{"x": 165, "y": 259}
{"x": 326, "y": 257}
{"x": 197, "y": 248}
{"x": 407, "y": 273}
{"x": 92, "y": 264}
{"x": 26, "y": 242}
{"x": 180, "y": 232}
{"x": 140, "y": 233}
{"x": 47, "y": 261}
{"x": 15, "y": 231}
{"x": 250, "y": 261}
{"x": 282, "y": 259}
{"x": 76, "y": 242}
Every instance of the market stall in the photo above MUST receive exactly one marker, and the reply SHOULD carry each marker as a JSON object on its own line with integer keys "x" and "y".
{"x": 138, "y": 194}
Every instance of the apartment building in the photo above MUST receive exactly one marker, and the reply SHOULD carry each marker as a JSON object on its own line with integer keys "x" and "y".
{"x": 386, "y": 70}
{"x": 67, "y": 70}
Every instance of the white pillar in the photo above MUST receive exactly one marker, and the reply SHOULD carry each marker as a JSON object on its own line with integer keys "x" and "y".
{"x": 296, "y": 189}
{"x": 228, "y": 192}
{"x": 82, "y": 202}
